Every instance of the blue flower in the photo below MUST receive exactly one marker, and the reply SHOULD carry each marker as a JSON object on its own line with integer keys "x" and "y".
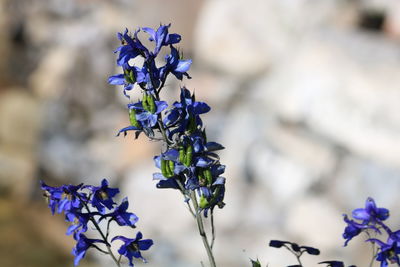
{"x": 161, "y": 37}
{"x": 130, "y": 48}
{"x": 371, "y": 213}
{"x": 121, "y": 216}
{"x": 79, "y": 221}
{"x": 71, "y": 199}
{"x": 332, "y": 263}
{"x": 83, "y": 244}
{"x": 63, "y": 198}
{"x": 354, "y": 229}
{"x": 102, "y": 196}
{"x": 132, "y": 247}
{"x": 130, "y": 76}
{"x": 389, "y": 251}
{"x": 185, "y": 114}
{"x": 53, "y": 195}
{"x": 145, "y": 114}
{"x": 175, "y": 65}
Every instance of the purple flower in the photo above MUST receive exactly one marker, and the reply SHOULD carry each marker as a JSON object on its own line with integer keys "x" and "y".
{"x": 53, "y": 195}
{"x": 132, "y": 247}
{"x": 102, "y": 196}
{"x": 185, "y": 114}
{"x": 389, "y": 251}
{"x": 121, "y": 216}
{"x": 71, "y": 198}
{"x": 79, "y": 221}
{"x": 332, "y": 263}
{"x": 175, "y": 65}
{"x": 83, "y": 244}
{"x": 130, "y": 48}
{"x": 130, "y": 76}
{"x": 161, "y": 37}
{"x": 370, "y": 213}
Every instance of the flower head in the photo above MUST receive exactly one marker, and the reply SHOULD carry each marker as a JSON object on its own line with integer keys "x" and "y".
{"x": 121, "y": 216}
{"x": 102, "y": 196}
{"x": 132, "y": 247}
{"x": 83, "y": 244}
{"x": 161, "y": 37}
{"x": 371, "y": 212}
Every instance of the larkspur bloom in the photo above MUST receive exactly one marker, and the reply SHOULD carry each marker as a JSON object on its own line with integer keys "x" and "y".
{"x": 161, "y": 37}
{"x": 176, "y": 65}
{"x": 79, "y": 221}
{"x": 371, "y": 213}
{"x": 102, "y": 196}
{"x": 389, "y": 251}
{"x": 85, "y": 204}
{"x": 332, "y": 263}
{"x": 188, "y": 162}
{"x": 83, "y": 244}
{"x": 132, "y": 247}
{"x": 130, "y": 48}
{"x": 121, "y": 215}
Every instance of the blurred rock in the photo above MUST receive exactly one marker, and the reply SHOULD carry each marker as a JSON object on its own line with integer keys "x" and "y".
{"x": 52, "y": 74}
{"x": 350, "y": 102}
{"x": 20, "y": 126}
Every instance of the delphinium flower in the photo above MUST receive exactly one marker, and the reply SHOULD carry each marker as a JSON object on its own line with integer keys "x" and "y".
{"x": 370, "y": 220}
{"x": 188, "y": 161}
{"x": 295, "y": 249}
{"x": 83, "y": 205}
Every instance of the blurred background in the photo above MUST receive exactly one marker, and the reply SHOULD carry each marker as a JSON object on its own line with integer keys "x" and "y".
{"x": 305, "y": 96}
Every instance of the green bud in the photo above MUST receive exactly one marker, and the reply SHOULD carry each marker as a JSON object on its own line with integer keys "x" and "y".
{"x": 132, "y": 118}
{"x": 171, "y": 167}
{"x": 164, "y": 168}
{"x": 208, "y": 176}
{"x": 129, "y": 76}
{"x": 181, "y": 154}
{"x": 188, "y": 156}
{"x": 145, "y": 103}
{"x": 203, "y": 202}
{"x": 151, "y": 103}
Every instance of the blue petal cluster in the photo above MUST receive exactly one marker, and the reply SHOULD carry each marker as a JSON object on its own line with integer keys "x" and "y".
{"x": 371, "y": 218}
{"x": 189, "y": 161}
{"x": 149, "y": 77}
{"x": 84, "y": 204}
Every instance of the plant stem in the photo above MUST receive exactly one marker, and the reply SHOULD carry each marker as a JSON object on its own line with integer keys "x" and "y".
{"x": 202, "y": 233}
{"x": 212, "y": 229}
{"x": 96, "y": 225}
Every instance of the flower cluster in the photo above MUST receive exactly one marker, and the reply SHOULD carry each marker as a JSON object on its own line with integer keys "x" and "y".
{"x": 84, "y": 204}
{"x": 298, "y": 251}
{"x": 370, "y": 220}
{"x": 188, "y": 161}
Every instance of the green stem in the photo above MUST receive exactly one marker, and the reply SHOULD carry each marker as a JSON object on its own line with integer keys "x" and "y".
{"x": 202, "y": 233}
{"x": 96, "y": 225}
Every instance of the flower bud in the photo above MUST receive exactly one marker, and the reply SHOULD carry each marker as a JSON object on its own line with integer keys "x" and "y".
{"x": 188, "y": 156}
{"x": 203, "y": 203}
{"x": 132, "y": 118}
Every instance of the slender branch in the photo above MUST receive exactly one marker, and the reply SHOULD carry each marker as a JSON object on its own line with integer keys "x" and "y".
{"x": 99, "y": 249}
{"x": 183, "y": 191}
{"x": 373, "y": 255}
{"x": 96, "y": 225}
{"x": 212, "y": 229}
{"x": 203, "y": 234}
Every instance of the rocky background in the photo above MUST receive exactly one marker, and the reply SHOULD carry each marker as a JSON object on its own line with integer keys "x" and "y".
{"x": 305, "y": 97}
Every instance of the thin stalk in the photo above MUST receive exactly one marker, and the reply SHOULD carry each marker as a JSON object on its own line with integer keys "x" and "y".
{"x": 212, "y": 229}
{"x": 202, "y": 233}
{"x": 184, "y": 195}
{"x": 108, "y": 246}
{"x": 298, "y": 259}
{"x": 373, "y": 255}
